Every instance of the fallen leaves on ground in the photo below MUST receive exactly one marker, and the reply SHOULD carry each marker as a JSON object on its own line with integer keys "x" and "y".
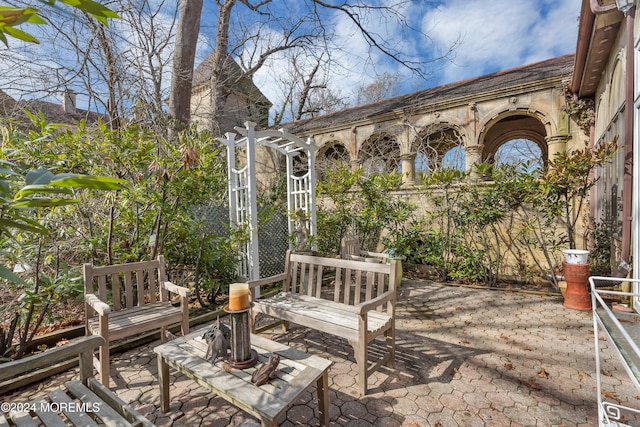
{"x": 610, "y": 395}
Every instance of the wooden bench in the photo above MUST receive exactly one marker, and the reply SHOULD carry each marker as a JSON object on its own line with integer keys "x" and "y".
{"x": 130, "y": 299}
{"x": 80, "y": 402}
{"x": 350, "y": 299}
{"x": 350, "y": 249}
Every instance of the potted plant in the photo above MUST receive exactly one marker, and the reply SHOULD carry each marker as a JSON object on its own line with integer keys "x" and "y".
{"x": 566, "y": 185}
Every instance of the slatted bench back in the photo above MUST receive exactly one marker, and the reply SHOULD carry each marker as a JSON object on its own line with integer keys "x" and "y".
{"x": 128, "y": 285}
{"x": 340, "y": 280}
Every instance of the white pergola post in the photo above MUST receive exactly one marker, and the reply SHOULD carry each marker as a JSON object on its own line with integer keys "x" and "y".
{"x": 243, "y": 205}
{"x": 311, "y": 158}
{"x": 254, "y": 254}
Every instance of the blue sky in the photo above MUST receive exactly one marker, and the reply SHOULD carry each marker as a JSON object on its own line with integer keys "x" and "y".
{"x": 502, "y": 34}
{"x": 492, "y": 35}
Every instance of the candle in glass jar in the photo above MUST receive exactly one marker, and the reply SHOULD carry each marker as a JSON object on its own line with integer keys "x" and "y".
{"x": 238, "y": 296}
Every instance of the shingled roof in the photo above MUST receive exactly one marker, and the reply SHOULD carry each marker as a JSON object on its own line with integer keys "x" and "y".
{"x": 233, "y": 74}
{"x": 53, "y": 112}
{"x": 499, "y": 81}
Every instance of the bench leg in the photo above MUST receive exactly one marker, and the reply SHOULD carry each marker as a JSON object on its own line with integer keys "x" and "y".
{"x": 184, "y": 325}
{"x": 103, "y": 364}
{"x": 362, "y": 359}
{"x": 390, "y": 336}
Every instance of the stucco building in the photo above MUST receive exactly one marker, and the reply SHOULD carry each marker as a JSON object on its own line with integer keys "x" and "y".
{"x": 469, "y": 119}
{"x": 605, "y": 75}
{"x": 244, "y": 101}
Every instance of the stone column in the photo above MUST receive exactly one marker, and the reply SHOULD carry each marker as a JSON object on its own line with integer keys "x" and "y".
{"x": 408, "y": 169}
{"x": 556, "y": 144}
{"x": 354, "y": 155}
{"x": 473, "y": 155}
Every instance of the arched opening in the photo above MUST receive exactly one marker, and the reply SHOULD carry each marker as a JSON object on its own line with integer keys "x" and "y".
{"x": 518, "y": 137}
{"x": 455, "y": 158}
{"x": 300, "y": 164}
{"x": 520, "y": 151}
{"x": 437, "y": 148}
{"x": 380, "y": 154}
{"x": 333, "y": 155}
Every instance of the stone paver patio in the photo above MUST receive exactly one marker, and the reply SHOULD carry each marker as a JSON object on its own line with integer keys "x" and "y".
{"x": 465, "y": 357}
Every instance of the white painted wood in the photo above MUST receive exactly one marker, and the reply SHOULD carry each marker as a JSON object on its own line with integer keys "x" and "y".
{"x": 242, "y": 196}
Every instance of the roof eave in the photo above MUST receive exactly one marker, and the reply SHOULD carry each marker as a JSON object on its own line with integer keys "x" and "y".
{"x": 596, "y": 38}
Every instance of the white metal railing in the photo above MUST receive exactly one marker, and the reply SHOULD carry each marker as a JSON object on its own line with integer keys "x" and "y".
{"x": 622, "y": 331}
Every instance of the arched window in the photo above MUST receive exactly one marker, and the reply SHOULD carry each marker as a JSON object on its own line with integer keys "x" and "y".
{"x": 380, "y": 154}
{"x": 438, "y": 148}
{"x": 332, "y": 156}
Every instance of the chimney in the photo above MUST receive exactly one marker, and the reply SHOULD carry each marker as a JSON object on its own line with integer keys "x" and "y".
{"x": 69, "y": 102}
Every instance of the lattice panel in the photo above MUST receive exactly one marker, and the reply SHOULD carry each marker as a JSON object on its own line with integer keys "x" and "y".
{"x": 273, "y": 244}
{"x": 214, "y": 219}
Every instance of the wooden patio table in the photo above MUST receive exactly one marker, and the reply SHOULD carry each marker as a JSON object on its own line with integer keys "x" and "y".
{"x": 296, "y": 372}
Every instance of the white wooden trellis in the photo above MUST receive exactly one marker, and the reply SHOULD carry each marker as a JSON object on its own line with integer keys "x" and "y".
{"x": 243, "y": 204}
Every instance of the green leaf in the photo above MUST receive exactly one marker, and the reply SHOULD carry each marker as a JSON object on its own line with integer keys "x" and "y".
{"x": 44, "y": 203}
{"x": 26, "y": 226}
{"x": 38, "y": 177}
{"x": 13, "y": 16}
{"x": 7, "y": 171}
{"x": 18, "y": 34}
{"x": 40, "y": 189}
{"x": 4, "y": 188}
{"x": 9, "y": 275}
{"x": 95, "y": 9}
{"x": 90, "y": 182}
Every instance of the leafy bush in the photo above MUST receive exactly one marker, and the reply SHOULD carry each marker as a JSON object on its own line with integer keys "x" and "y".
{"x": 351, "y": 204}
{"x": 151, "y": 214}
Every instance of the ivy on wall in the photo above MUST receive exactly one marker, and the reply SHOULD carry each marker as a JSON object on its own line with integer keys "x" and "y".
{"x": 581, "y": 110}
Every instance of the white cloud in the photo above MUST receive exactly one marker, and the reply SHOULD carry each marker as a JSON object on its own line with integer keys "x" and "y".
{"x": 502, "y": 34}
{"x": 494, "y": 35}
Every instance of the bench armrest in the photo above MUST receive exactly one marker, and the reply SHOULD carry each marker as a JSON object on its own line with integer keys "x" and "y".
{"x": 180, "y": 290}
{"x": 375, "y": 302}
{"x": 50, "y": 357}
{"x": 101, "y": 307}
{"x": 267, "y": 280}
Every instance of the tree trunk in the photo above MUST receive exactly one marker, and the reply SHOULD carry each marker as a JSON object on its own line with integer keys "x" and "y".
{"x": 219, "y": 92}
{"x": 183, "y": 62}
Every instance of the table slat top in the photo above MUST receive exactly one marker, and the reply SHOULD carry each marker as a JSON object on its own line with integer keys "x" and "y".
{"x": 296, "y": 372}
